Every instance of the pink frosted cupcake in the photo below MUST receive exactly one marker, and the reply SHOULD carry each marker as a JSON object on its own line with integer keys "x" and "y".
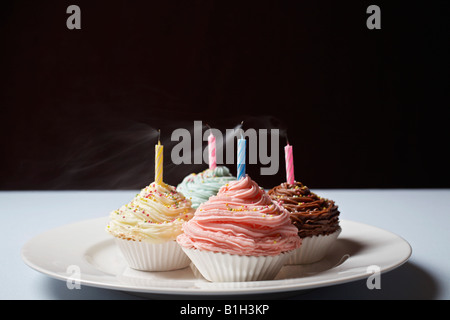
{"x": 239, "y": 235}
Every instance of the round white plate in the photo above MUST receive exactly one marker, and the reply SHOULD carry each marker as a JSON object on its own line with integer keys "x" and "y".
{"x": 84, "y": 253}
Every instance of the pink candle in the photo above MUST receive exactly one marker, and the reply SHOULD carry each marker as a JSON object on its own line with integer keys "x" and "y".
{"x": 212, "y": 151}
{"x": 289, "y": 164}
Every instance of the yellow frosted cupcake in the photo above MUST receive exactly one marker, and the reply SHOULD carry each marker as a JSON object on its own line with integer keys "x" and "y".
{"x": 146, "y": 228}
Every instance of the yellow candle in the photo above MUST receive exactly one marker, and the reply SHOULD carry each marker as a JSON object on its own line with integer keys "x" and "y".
{"x": 158, "y": 163}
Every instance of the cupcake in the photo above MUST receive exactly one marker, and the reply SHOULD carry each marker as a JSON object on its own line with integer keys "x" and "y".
{"x": 146, "y": 228}
{"x": 239, "y": 234}
{"x": 316, "y": 218}
{"x": 199, "y": 187}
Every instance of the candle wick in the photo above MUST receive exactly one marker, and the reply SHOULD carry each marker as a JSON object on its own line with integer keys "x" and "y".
{"x": 242, "y": 123}
{"x": 159, "y": 135}
{"x": 210, "y": 129}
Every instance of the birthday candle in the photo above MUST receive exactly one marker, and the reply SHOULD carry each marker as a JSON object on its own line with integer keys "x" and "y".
{"x": 289, "y": 164}
{"x": 241, "y": 158}
{"x": 158, "y": 163}
{"x": 212, "y": 151}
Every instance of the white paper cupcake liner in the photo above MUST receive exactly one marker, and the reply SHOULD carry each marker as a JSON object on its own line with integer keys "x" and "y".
{"x": 224, "y": 267}
{"x": 313, "y": 249}
{"x": 144, "y": 256}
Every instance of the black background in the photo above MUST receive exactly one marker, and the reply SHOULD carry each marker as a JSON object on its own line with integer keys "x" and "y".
{"x": 363, "y": 108}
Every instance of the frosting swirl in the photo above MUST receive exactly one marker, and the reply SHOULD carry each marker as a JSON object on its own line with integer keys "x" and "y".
{"x": 241, "y": 219}
{"x": 311, "y": 214}
{"x": 155, "y": 215}
{"x": 199, "y": 187}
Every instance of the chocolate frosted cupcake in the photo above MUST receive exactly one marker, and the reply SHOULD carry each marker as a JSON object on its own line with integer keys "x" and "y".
{"x": 316, "y": 218}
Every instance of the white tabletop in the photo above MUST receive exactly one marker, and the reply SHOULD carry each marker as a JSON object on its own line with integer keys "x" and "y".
{"x": 421, "y": 217}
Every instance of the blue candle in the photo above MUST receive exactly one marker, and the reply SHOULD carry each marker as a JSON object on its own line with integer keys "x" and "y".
{"x": 241, "y": 158}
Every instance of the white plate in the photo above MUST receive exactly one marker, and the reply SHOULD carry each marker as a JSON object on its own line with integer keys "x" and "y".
{"x": 87, "y": 248}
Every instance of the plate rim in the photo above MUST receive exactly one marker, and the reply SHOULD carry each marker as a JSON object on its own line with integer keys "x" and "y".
{"x": 201, "y": 292}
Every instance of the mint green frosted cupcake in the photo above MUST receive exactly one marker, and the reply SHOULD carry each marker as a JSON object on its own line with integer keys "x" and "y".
{"x": 199, "y": 187}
